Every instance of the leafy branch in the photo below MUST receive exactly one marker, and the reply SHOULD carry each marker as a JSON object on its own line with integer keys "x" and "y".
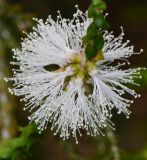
{"x": 19, "y": 147}
{"x": 94, "y": 39}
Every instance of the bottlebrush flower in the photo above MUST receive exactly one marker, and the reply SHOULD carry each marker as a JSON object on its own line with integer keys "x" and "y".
{"x": 76, "y": 94}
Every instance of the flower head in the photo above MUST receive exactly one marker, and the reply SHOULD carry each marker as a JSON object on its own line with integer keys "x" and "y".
{"x": 76, "y": 93}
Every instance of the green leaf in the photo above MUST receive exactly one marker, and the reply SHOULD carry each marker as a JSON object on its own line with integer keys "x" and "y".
{"x": 105, "y": 25}
{"x": 90, "y": 50}
{"x": 91, "y": 11}
{"x": 100, "y": 4}
{"x": 94, "y": 39}
{"x": 99, "y": 19}
{"x": 101, "y": 22}
{"x": 99, "y": 42}
{"x": 85, "y": 39}
{"x": 19, "y": 146}
{"x": 95, "y": 2}
{"x": 92, "y": 31}
{"x": 143, "y": 79}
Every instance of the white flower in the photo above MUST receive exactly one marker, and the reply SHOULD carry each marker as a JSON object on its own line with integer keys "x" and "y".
{"x": 79, "y": 94}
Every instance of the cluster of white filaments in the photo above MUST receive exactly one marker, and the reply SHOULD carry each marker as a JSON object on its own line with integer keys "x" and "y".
{"x": 79, "y": 94}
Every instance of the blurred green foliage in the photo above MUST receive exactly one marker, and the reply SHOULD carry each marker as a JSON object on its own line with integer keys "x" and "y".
{"x": 141, "y": 155}
{"x": 19, "y": 147}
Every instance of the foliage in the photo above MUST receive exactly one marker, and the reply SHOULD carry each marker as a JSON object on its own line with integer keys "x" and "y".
{"x": 141, "y": 155}
{"x": 18, "y": 147}
{"x": 94, "y": 39}
{"x": 143, "y": 80}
